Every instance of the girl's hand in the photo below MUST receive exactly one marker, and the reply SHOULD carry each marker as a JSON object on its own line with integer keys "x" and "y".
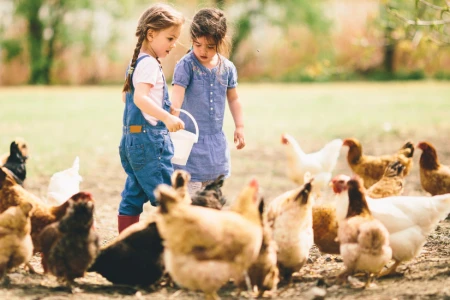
{"x": 239, "y": 139}
{"x": 173, "y": 123}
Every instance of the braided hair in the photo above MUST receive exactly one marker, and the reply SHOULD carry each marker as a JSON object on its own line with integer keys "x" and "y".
{"x": 158, "y": 17}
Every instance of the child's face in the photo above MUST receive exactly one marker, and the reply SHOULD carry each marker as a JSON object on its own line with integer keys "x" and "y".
{"x": 204, "y": 49}
{"x": 165, "y": 40}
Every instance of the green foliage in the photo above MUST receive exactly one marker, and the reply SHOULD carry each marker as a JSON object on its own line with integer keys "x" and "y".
{"x": 12, "y": 47}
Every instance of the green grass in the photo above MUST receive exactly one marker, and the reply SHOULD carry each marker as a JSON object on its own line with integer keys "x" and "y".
{"x": 60, "y": 123}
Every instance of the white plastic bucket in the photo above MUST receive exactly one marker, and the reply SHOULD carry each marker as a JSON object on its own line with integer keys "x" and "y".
{"x": 183, "y": 141}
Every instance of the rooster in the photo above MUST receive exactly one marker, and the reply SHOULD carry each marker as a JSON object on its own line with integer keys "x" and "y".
{"x": 408, "y": 219}
{"x": 320, "y": 164}
{"x": 391, "y": 184}
{"x": 371, "y": 168}
{"x": 204, "y": 247}
{"x": 364, "y": 241}
{"x": 434, "y": 176}
{"x": 64, "y": 184}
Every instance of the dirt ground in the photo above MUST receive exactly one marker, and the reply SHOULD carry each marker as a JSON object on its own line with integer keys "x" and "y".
{"x": 425, "y": 277}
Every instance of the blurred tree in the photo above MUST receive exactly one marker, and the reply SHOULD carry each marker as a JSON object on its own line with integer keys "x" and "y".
{"x": 417, "y": 20}
{"x": 54, "y": 25}
{"x": 282, "y": 13}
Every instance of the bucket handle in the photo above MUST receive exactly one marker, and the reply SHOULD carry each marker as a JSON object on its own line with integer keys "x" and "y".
{"x": 193, "y": 120}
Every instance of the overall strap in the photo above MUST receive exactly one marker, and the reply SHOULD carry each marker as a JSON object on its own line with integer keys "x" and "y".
{"x": 132, "y": 73}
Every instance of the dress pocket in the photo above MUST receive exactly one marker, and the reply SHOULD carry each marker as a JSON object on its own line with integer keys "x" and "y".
{"x": 196, "y": 88}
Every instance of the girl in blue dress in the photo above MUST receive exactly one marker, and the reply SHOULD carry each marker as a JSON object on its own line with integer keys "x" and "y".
{"x": 202, "y": 80}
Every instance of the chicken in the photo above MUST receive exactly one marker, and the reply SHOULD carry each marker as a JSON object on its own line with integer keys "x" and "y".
{"x": 391, "y": 184}
{"x": 371, "y": 168}
{"x": 264, "y": 273}
{"x": 434, "y": 177}
{"x": 320, "y": 164}
{"x": 364, "y": 241}
{"x": 211, "y": 196}
{"x": 290, "y": 217}
{"x": 15, "y": 240}
{"x": 15, "y": 161}
{"x": 408, "y": 219}
{"x": 12, "y": 194}
{"x": 70, "y": 246}
{"x": 23, "y": 147}
{"x": 325, "y": 228}
{"x": 204, "y": 248}
{"x": 64, "y": 184}
{"x": 135, "y": 257}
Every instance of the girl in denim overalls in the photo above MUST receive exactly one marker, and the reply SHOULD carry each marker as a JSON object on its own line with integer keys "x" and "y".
{"x": 202, "y": 80}
{"x": 145, "y": 148}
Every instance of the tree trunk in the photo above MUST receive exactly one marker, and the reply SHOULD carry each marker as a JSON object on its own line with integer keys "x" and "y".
{"x": 36, "y": 44}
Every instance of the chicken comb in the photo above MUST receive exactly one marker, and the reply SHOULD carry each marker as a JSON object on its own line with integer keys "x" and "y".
{"x": 82, "y": 196}
{"x": 254, "y": 183}
{"x": 284, "y": 139}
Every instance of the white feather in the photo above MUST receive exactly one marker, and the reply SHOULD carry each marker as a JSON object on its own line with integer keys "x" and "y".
{"x": 64, "y": 184}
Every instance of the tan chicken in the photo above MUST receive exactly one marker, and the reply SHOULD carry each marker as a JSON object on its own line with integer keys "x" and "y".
{"x": 434, "y": 176}
{"x": 364, "y": 241}
{"x": 263, "y": 273}
{"x": 205, "y": 247}
{"x": 371, "y": 168}
{"x": 12, "y": 194}
{"x": 70, "y": 246}
{"x": 290, "y": 216}
{"x": 391, "y": 184}
{"x": 15, "y": 240}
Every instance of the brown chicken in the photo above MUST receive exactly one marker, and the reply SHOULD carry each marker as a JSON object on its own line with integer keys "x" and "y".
{"x": 364, "y": 241}
{"x": 12, "y": 194}
{"x": 205, "y": 247}
{"x": 371, "y": 168}
{"x": 434, "y": 177}
{"x": 391, "y": 184}
{"x": 325, "y": 228}
{"x": 263, "y": 273}
{"x": 70, "y": 246}
{"x": 15, "y": 240}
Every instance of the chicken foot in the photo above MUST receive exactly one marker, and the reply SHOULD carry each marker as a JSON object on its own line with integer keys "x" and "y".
{"x": 391, "y": 271}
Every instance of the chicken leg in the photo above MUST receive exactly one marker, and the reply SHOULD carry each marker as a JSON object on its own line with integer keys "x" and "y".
{"x": 391, "y": 270}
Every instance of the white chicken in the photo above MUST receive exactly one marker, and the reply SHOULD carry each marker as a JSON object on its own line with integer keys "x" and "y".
{"x": 290, "y": 217}
{"x": 320, "y": 164}
{"x": 64, "y": 184}
{"x": 409, "y": 219}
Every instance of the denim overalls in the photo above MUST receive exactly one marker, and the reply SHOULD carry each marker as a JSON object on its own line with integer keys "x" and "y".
{"x": 205, "y": 98}
{"x": 145, "y": 152}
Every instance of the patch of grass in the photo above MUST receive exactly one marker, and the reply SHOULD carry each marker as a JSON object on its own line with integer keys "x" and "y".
{"x": 61, "y": 123}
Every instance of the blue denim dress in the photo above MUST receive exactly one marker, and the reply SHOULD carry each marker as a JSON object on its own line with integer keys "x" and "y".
{"x": 205, "y": 98}
{"x": 145, "y": 152}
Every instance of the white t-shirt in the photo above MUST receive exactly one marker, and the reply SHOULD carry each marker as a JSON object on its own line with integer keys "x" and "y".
{"x": 148, "y": 71}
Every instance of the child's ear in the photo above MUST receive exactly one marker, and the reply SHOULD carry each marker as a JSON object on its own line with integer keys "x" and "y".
{"x": 150, "y": 34}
